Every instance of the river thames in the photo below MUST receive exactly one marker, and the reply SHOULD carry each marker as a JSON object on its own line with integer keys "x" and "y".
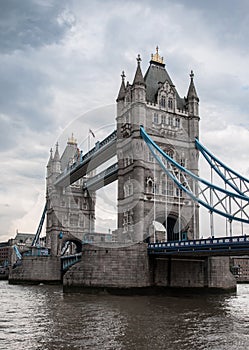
{"x": 43, "y": 318}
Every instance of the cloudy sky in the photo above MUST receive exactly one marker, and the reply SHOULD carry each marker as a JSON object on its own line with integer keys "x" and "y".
{"x": 61, "y": 59}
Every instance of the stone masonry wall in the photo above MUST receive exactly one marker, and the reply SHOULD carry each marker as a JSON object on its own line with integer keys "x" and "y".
{"x": 37, "y": 270}
{"x": 125, "y": 267}
{"x": 219, "y": 274}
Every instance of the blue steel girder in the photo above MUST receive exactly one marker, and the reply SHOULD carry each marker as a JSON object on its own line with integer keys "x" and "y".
{"x": 230, "y": 177}
{"x": 231, "y": 205}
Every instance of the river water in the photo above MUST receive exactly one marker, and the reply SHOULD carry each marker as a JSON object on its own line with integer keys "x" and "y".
{"x": 42, "y": 317}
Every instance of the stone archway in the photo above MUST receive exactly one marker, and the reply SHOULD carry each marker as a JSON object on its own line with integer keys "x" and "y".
{"x": 68, "y": 243}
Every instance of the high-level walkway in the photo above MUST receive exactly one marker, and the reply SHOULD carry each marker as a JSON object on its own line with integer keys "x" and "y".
{"x": 99, "y": 154}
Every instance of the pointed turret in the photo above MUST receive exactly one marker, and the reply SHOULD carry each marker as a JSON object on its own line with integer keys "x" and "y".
{"x": 50, "y": 161}
{"x": 121, "y": 94}
{"x": 138, "y": 79}
{"x": 56, "y": 160}
{"x": 50, "y": 158}
{"x": 192, "y": 94}
{"x": 192, "y": 97}
{"x": 56, "y": 154}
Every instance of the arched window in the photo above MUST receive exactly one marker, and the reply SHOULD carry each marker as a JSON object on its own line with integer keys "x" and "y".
{"x": 162, "y": 102}
{"x": 128, "y": 188}
{"x": 170, "y": 103}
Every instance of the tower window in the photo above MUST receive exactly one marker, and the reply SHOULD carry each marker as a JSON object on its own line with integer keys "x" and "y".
{"x": 155, "y": 118}
{"x": 163, "y": 102}
{"x": 177, "y": 122}
{"x": 163, "y": 119}
{"x": 170, "y": 103}
{"x": 151, "y": 158}
{"x": 170, "y": 189}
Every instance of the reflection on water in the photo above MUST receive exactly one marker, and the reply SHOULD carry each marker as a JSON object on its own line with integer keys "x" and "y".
{"x": 42, "y": 317}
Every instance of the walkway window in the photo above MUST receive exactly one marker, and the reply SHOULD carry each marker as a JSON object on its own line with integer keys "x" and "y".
{"x": 178, "y": 122}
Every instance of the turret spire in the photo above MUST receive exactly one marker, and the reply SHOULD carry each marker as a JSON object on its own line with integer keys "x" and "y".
{"x": 192, "y": 97}
{"x": 192, "y": 91}
{"x": 138, "y": 79}
{"x": 121, "y": 94}
{"x": 50, "y": 158}
{"x": 56, "y": 154}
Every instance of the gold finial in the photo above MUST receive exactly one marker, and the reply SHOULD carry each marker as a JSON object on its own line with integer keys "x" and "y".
{"x": 72, "y": 140}
{"x": 156, "y": 57}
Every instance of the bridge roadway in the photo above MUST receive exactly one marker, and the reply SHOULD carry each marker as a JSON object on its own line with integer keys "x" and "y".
{"x": 99, "y": 154}
{"x": 220, "y": 246}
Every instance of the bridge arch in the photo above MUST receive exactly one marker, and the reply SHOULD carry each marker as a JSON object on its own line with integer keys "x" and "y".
{"x": 68, "y": 242}
{"x": 171, "y": 224}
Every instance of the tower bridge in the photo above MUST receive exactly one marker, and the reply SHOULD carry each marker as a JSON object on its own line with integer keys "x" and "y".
{"x": 156, "y": 148}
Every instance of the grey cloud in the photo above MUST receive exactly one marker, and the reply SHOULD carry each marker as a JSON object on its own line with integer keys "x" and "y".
{"x": 25, "y": 94}
{"x": 31, "y": 23}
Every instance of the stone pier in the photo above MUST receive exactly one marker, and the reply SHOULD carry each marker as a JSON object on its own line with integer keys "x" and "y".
{"x": 130, "y": 268}
{"x": 34, "y": 270}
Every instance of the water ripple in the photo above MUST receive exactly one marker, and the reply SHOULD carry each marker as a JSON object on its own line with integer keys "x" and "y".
{"x": 43, "y": 318}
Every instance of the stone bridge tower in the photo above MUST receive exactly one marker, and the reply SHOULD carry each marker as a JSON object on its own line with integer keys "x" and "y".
{"x": 70, "y": 209}
{"x": 146, "y": 198}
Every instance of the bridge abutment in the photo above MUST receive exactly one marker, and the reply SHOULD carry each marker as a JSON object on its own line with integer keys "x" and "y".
{"x": 130, "y": 267}
{"x": 37, "y": 269}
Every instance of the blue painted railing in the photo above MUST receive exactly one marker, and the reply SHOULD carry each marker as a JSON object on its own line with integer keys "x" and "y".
{"x": 69, "y": 260}
{"x": 211, "y": 245}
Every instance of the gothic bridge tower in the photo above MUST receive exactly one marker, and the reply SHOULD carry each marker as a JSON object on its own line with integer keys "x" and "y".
{"x": 146, "y": 197}
{"x": 70, "y": 209}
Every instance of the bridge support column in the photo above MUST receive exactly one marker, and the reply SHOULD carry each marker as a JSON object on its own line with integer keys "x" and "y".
{"x": 186, "y": 272}
{"x": 218, "y": 274}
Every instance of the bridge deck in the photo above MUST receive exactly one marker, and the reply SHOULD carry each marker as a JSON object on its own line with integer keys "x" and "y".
{"x": 236, "y": 245}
